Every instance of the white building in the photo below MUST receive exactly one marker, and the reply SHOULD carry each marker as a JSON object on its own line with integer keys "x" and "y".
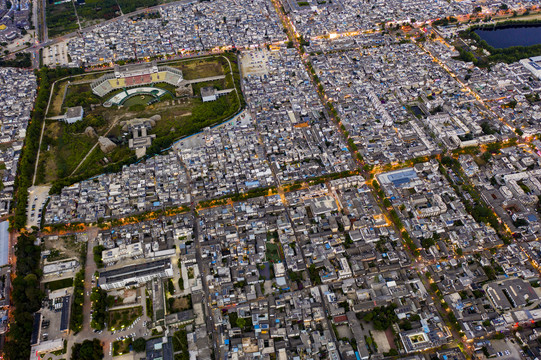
{"x": 534, "y": 65}
{"x": 74, "y": 114}
{"x": 208, "y": 94}
{"x": 60, "y": 267}
{"x": 122, "y": 252}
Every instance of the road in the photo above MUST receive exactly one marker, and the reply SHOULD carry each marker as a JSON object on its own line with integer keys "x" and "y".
{"x": 90, "y": 268}
{"x": 294, "y": 37}
{"x": 87, "y": 332}
{"x": 203, "y": 270}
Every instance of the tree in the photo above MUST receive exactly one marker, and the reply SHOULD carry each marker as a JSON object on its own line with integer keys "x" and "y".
{"x": 490, "y": 272}
{"x": 139, "y": 345}
{"x": 487, "y": 129}
{"x": 314, "y": 274}
{"x": 241, "y": 322}
{"x": 26, "y": 297}
{"x": 486, "y": 156}
{"x": 382, "y": 317}
{"x": 494, "y": 148}
{"x": 97, "y": 251}
{"x": 294, "y": 276}
{"x": 426, "y": 243}
{"x": 88, "y": 350}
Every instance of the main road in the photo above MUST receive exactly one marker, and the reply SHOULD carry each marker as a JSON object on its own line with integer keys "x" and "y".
{"x": 294, "y": 38}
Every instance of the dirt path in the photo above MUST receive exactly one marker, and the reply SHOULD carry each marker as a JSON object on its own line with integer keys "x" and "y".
{"x": 39, "y": 151}
{"x": 94, "y": 147}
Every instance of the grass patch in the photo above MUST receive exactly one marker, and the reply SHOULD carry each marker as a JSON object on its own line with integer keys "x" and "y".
{"x": 61, "y": 18}
{"x": 180, "y": 303}
{"x": 119, "y": 319}
{"x": 138, "y": 100}
{"x": 150, "y": 306}
{"x": 272, "y": 253}
{"x": 201, "y": 68}
{"x": 55, "y": 108}
{"x": 217, "y": 84}
{"x": 62, "y": 150}
{"x": 180, "y": 343}
{"x": 59, "y": 284}
{"x": 78, "y": 88}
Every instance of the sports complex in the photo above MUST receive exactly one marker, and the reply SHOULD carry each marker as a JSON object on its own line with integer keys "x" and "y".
{"x": 145, "y": 91}
{"x": 136, "y": 75}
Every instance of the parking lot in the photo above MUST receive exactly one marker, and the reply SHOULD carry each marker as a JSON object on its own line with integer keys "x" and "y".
{"x": 505, "y": 349}
{"x": 56, "y": 55}
{"x": 254, "y": 63}
{"x": 52, "y": 315}
{"x": 37, "y": 196}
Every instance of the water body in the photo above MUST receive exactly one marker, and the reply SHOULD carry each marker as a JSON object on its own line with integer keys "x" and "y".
{"x": 501, "y": 38}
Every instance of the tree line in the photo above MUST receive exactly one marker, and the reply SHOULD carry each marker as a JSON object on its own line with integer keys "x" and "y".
{"x": 25, "y": 170}
{"x": 21, "y": 60}
{"x": 26, "y": 298}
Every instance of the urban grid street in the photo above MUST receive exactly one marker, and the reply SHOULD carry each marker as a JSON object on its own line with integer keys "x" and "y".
{"x": 270, "y": 179}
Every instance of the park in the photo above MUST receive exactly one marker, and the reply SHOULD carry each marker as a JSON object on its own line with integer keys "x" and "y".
{"x": 133, "y": 111}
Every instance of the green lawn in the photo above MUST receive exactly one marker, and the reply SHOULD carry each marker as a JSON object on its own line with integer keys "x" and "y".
{"x": 180, "y": 343}
{"x": 59, "y": 284}
{"x": 138, "y": 100}
{"x": 201, "y": 68}
{"x": 66, "y": 150}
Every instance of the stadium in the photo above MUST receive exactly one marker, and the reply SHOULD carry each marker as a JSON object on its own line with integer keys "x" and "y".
{"x": 134, "y": 75}
{"x": 119, "y": 99}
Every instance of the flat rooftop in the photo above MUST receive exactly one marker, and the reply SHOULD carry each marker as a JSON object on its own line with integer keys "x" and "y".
{"x": 133, "y": 271}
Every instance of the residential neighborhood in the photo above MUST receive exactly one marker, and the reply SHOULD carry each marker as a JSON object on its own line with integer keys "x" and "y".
{"x": 270, "y": 180}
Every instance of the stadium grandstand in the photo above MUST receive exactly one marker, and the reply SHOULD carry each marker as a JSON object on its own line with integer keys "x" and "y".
{"x": 133, "y": 75}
